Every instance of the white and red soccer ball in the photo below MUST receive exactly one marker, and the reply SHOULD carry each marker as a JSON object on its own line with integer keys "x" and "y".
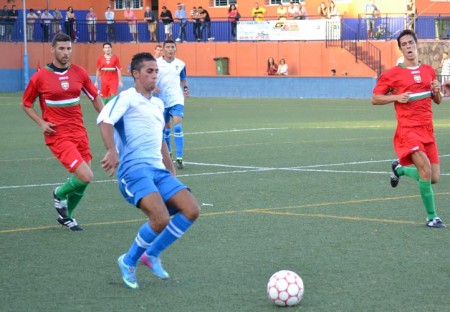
{"x": 285, "y": 288}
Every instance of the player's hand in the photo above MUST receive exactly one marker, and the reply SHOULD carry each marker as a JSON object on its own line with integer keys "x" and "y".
{"x": 47, "y": 128}
{"x": 435, "y": 86}
{"x": 110, "y": 162}
{"x": 96, "y": 84}
{"x": 156, "y": 90}
{"x": 403, "y": 97}
{"x": 120, "y": 84}
{"x": 186, "y": 92}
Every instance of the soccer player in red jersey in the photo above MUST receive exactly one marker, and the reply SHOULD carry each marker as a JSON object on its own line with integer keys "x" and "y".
{"x": 412, "y": 87}
{"x": 58, "y": 87}
{"x": 108, "y": 67}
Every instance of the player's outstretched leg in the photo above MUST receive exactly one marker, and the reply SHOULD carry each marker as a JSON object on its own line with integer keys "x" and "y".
{"x": 128, "y": 273}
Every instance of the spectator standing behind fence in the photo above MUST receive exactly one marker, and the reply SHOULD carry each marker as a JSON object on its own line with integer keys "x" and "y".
{"x": 411, "y": 14}
{"x": 206, "y": 23}
{"x": 370, "y": 10}
{"x": 56, "y": 23}
{"x": 272, "y": 67}
{"x": 13, "y": 15}
{"x": 233, "y": 17}
{"x": 109, "y": 16}
{"x": 31, "y": 19}
{"x": 282, "y": 68}
{"x": 132, "y": 20}
{"x": 167, "y": 19}
{"x": 91, "y": 19}
{"x": 322, "y": 10}
{"x": 151, "y": 19}
{"x": 69, "y": 24}
{"x": 3, "y": 18}
{"x": 180, "y": 14}
{"x": 195, "y": 15}
{"x": 258, "y": 13}
{"x": 46, "y": 21}
{"x": 281, "y": 12}
{"x": 445, "y": 68}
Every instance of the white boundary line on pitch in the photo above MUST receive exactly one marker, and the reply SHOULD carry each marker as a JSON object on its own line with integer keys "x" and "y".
{"x": 283, "y": 128}
{"x": 245, "y": 169}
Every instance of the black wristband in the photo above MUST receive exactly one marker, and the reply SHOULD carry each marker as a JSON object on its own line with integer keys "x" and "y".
{"x": 185, "y": 88}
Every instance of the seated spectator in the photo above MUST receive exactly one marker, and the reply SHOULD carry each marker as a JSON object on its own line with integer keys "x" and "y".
{"x": 293, "y": 11}
{"x": 282, "y": 68}
{"x": 322, "y": 10}
{"x": 333, "y": 72}
{"x": 281, "y": 12}
{"x": 258, "y": 13}
{"x": 333, "y": 10}
{"x": 302, "y": 12}
{"x": 272, "y": 67}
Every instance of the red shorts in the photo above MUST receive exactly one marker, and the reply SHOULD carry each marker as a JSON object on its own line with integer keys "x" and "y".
{"x": 408, "y": 140}
{"x": 71, "y": 151}
{"x": 109, "y": 88}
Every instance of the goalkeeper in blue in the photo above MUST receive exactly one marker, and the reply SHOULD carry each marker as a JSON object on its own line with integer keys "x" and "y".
{"x": 131, "y": 127}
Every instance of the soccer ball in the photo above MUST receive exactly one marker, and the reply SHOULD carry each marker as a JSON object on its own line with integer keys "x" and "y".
{"x": 285, "y": 288}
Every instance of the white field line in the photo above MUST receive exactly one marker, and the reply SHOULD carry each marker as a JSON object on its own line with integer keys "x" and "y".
{"x": 246, "y": 169}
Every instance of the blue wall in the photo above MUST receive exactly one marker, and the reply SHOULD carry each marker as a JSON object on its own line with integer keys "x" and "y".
{"x": 245, "y": 87}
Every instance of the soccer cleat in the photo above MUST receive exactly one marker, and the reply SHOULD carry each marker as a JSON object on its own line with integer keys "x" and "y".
{"x": 128, "y": 273}
{"x": 69, "y": 223}
{"x": 178, "y": 40}
{"x": 435, "y": 223}
{"x": 154, "y": 263}
{"x": 395, "y": 178}
{"x": 180, "y": 164}
{"x": 60, "y": 206}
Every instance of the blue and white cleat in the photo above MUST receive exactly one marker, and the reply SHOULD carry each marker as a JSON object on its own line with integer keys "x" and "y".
{"x": 128, "y": 273}
{"x": 154, "y": 263}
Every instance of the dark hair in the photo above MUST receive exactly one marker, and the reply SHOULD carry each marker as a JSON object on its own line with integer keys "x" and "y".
{"x": 406, "y": 32}
{"x": 234, "y": 5}
{"x": 107, "y": 43}
{"x": 138, "y": 59}
{"x": 60, "y": 37}
{"x": 168, "y": 41}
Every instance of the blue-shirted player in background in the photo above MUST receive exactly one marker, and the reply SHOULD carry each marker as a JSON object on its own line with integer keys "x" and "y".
{"x": 131, "y": 126}
{"x": 171, "y": 88}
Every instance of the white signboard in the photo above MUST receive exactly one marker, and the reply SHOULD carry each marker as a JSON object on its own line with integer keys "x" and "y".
{"x": 279, "y": 30}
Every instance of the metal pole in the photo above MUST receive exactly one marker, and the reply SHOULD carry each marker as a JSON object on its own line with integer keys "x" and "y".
{"x": 25, "y": 47}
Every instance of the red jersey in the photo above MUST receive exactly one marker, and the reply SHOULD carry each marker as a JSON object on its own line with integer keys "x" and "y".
{"x": 108, "y": 67}
{"x": 59, "y": 98}
{"x": 418, "y": 110}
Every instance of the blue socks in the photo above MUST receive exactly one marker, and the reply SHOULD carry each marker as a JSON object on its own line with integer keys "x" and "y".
{"x": 177, "y": 226}
{"x": 178, "y": 137}
{"x": 142, "y": 241}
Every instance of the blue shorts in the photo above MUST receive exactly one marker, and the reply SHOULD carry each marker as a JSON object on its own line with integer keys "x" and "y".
{"x": 139, "y": 183}
{"x": 176, "y": 110}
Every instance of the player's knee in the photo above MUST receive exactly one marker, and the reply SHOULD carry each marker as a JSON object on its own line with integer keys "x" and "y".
{"x": 159, "y": 222}
{"x": 178, "y": 128}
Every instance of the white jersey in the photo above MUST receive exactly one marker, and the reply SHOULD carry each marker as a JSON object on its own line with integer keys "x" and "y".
{"x": 168, "y": 82}
{"x": 138, "y": 129}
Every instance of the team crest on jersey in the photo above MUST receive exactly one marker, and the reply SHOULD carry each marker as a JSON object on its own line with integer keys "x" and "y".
{"x": 417, "y": 78}
{"x": 65, "y": 85}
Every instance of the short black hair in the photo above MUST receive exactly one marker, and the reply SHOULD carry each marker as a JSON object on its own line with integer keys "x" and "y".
{"x": 406, "y": 32}
{"x": 107, "y": 43}
{"x": 60, "y": 37}
{"x": 168, "y": 41}
{"x": 138, "y": 59}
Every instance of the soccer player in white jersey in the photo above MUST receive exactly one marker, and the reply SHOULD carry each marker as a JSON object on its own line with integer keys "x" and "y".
{"x": 172, "y": 88}
{"x": 131, "y": 126}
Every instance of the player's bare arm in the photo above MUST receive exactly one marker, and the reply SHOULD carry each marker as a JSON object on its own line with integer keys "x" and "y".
{"x": 98, "y": 103}
{"x": 436, "y": 89}
{"x": 111, "y": 160}
{"x": 47, "y": 127}
{"x": 167, "y": 160}
{"x": 382, "y": 99}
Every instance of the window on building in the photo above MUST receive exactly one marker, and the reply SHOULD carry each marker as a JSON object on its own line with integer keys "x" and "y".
{"x": 218, "y": 3}
{"x": 134, "y": 4}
